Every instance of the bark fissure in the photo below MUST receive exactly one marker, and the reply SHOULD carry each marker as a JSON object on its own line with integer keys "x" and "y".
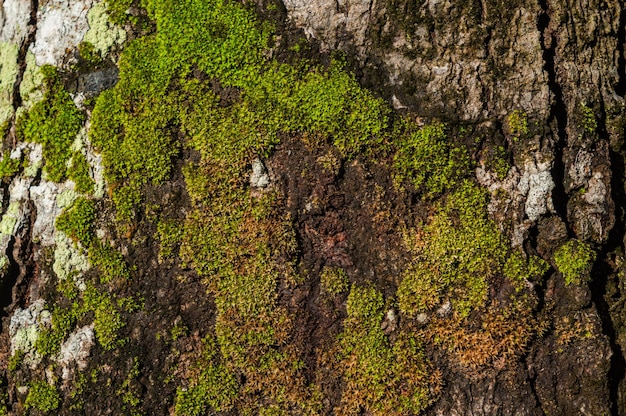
{"x": 29, "y": 40}
{"x": 620, "y": 88}
{"x": 558, "y": 111}
{"x": 602, "y": 269}
{"x": 10, "y": 279}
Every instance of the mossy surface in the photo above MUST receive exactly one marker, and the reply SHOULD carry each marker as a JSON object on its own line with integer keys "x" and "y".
{"x": 458, "y": 254}
{"x": 77, "y": 221}
{"x": 43, "y": 397}
{"x": 9, "y": 166}
{"x": 426, "y": 158}
{"x": 54, "y": 122}
{"x": 202, "y": 85}
{"x": 574, "y": 260}
{"x": 381, "y": 378}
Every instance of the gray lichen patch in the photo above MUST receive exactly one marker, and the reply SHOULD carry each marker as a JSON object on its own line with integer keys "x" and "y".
{"x": 14, "y": 16}
{"x": 45, "y": 196}
{"x": 24, "y": 329}
{"x": 69, "y": 261}
{"x": 75, "y": 350}
{"x": 522, "y": 197}
{"x": 15, "y": 214}
{"x": 61, "y": 25}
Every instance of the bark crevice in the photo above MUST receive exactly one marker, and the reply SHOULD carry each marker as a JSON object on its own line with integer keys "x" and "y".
{"x": 603, "y": 269}
{"x": 557, "y": 118}
{"x": 29, "y": 40}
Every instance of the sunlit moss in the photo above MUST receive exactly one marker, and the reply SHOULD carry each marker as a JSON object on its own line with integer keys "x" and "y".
{"x": 54, "y": 122}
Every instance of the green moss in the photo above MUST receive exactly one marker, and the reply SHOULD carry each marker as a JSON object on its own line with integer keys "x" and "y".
{"x": 129, "y": 391}
{"x": 16, "y": 361}
{"x": 9, "y": 167}
{"x": 117, "y": 10}
{"x": 54, "y": 122}
{"x": 587, "y": 121}
{"x": 111, "y": 263}
{"x": 43, "y": 397}
{"x": 77, "y": 221}
{"x": 334, "y": 281}
{"x": 519, "y": 269}
{"x": 169, "y": 234}
{"x": 62, "y": 323}
{"x": 518, "y": 124}
{"x": 216, "y": 387}
{"x": 426, "y": 159}
{"x": 79, "y": 173}
{"x": 498, "y": 162}
{"x": 132, "y": 124}
{"x": 89, "y": 53}
{"x": 378, "y": 377}
{"x": 460, "y": 252}
{"x": 574, "y": 260}
{"x": 107, "y": 318}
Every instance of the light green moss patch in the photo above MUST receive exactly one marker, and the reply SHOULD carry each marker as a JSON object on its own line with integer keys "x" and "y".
{"x": 77, "y": 220}
{"x": 9, "y": 166}
{"x": 53, "y": 122}
{"x": 215, "y": 388}
{"x": 102, "y": 34}
{"x": 10, "y": 218}
{"x": 458, "y": 253}
{"x": 380, "y": 378}
{"x": 426, "y": 159}
{"x": 8, "y": 75}
{"x": 43, "y": 397}
{"x": 334, "y": 281}
{"x": 574, "y": 260}
{"x": 32, "y": 81}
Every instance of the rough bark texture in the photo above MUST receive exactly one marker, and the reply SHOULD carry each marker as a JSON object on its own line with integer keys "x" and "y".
{"x": 479, "y": 65}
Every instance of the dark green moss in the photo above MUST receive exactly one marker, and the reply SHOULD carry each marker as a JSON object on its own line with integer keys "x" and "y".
{"x": 458, "y": 253}
{"x": 574, "y": 260}
{"x": 63, "y": 322}
{"x": 215, "y": 388}
{"x": 89, "y": 53}
{"x": 111, "y": 263}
